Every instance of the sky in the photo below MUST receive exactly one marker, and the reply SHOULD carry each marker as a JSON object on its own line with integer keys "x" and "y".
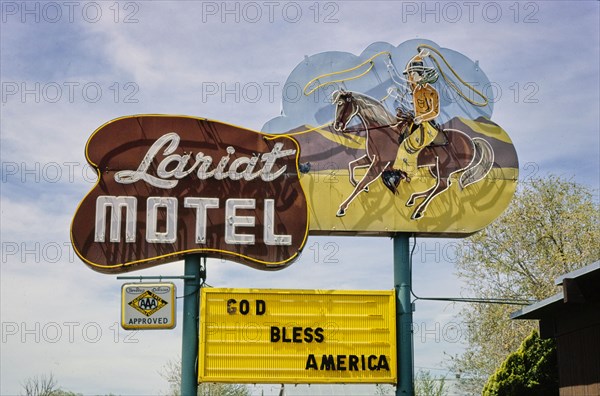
{"x": 68, "y": 67}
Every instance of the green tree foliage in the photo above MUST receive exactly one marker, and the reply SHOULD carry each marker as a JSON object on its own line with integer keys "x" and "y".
{"x": 531, "y": 370}
{"x": 429, "y": 385}
{"x": 551, "y": 227}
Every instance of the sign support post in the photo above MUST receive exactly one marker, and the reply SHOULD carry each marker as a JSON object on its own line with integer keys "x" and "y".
{"x": 404, "y": 316}
{"x": 191, "y": 310}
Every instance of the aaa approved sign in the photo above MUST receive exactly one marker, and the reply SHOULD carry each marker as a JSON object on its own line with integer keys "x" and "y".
{"x": 297, "y": 336}
{"x": 148, "y": 306}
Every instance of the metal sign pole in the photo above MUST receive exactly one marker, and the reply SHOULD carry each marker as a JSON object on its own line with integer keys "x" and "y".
{"x": 191, "y": 311}
{"x": 404, "y": 317}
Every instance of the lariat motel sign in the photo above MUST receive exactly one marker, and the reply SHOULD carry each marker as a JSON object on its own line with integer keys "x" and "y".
{"x": 170, "y": 186}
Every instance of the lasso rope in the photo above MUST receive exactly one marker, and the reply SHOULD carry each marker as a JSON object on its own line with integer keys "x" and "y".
{"x": 389, "y": 92}
{"x": 370, "y": 60}
{"x": 450, "y": 83}
{"x": 308, "y": 130}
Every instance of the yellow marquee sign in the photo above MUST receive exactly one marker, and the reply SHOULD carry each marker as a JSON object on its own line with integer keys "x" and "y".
{"x": 297, "y": 336}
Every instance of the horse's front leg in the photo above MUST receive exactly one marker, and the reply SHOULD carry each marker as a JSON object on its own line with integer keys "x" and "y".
{"x": 361, "y": 162}
{"x": 372, "y": 174}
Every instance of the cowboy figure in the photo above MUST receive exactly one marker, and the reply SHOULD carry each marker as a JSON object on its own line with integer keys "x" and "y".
{"x": 426, "y": 106}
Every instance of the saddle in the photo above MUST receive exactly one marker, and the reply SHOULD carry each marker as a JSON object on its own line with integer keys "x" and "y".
{"x": 407, "y": 127}
{"x": 442, "y": 138}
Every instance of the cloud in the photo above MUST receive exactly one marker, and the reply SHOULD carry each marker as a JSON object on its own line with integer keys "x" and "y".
{"x": 172, "y": 55}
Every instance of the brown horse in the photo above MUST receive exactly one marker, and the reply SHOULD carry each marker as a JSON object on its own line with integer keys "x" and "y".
{"x": 384, "y": 134}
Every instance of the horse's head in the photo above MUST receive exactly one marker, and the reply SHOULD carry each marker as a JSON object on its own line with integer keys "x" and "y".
{"x": 345, "y": 109}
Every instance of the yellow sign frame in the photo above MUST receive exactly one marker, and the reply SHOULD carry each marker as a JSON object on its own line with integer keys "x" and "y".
{"x": 297, "y": 336}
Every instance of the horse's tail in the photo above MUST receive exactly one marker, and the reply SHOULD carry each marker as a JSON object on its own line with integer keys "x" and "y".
{"x": 482, "y": 163}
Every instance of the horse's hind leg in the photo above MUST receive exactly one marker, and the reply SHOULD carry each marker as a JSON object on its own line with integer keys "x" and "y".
{"x": 372, "y": 174}
{"x": 361, "y": 162}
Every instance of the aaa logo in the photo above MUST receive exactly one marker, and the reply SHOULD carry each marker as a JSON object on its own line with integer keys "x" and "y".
{"x": 147, "y": 303}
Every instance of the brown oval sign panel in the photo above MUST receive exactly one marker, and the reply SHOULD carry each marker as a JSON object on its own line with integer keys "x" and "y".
{"x": 169, "y": 186}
